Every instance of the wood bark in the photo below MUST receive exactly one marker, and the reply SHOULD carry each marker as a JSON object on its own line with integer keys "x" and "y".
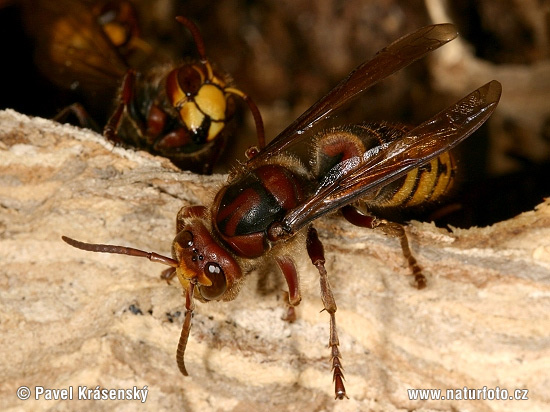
{"x": 70, "y": 318}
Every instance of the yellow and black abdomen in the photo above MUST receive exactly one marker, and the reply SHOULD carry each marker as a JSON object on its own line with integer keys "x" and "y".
{"x": 426, "y": 184}
{"x": 422, "y": 186}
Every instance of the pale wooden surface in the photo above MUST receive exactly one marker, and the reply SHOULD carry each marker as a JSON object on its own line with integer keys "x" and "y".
{"x": 65, "y": 317}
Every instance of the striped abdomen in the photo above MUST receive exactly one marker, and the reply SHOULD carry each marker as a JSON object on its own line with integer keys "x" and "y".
{"x": 426, "y": 184}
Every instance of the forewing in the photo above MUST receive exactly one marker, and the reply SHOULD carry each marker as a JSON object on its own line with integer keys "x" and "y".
{"x": 353, "y": 178}
{"x": 392, "y": 58}
{"x": 71, "y": 48}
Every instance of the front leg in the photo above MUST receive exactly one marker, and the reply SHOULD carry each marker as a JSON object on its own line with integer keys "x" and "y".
{"x": 83, "y": 117}
{"x": 317, "y": 255}
{"x": 356, "y": 218}
{"x": 126, "y": 96}
{"x": 288, "y": 268}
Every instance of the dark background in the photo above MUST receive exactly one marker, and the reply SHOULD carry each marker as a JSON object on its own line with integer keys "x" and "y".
{"x": 287, "y": 54}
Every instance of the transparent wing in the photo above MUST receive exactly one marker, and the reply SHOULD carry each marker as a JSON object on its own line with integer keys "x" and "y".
{"x": 353, "y": 178}
{"x": 392, "y": 58}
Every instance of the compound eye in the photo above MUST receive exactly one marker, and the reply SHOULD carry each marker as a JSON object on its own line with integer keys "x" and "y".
{"x": 184, "y": 239}
{"x": 214, "y": 272}
{"x": 189, "y": 80}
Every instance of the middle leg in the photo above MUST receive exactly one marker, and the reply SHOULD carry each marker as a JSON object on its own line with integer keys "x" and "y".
{"x": 316, "y": 253}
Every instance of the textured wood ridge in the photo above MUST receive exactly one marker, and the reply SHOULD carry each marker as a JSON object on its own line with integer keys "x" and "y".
{"x": 70, "y": 318}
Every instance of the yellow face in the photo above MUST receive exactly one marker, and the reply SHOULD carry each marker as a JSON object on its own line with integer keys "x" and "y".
{"x": 200, "y": 100}
{"x": 204, "y": 264}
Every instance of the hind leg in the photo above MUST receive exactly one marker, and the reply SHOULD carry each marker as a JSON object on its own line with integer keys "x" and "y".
{"x": 392, "y": 229}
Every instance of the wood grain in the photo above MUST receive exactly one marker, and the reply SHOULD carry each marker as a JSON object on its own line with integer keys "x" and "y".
{"x": 70, "y": 318}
